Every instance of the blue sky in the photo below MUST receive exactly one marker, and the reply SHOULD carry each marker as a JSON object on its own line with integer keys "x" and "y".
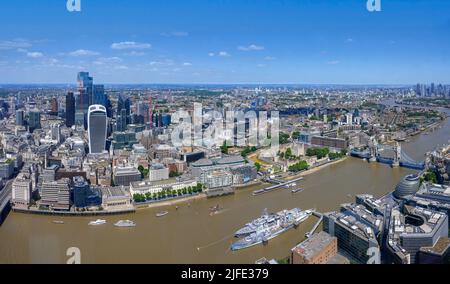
{"x": 226, "y": 41}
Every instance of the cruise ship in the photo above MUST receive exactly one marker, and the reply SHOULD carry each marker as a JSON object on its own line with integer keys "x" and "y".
{"x": 272, "y": 228}
{"x": 125, "y": 223}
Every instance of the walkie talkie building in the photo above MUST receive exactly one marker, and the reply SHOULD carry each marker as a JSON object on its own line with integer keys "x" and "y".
{"x": 97, "y": 127}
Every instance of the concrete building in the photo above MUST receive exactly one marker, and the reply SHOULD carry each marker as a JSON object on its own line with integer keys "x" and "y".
{"x": 56, "y": 194}
{"x": 334, "y": 143}
{"x": 6, "y": 168}
{"x": 125, "y": 176}
{"x": 144, "y": 187}
{"x": 22, "y": 191}
{"x": 116, "y": 198}
{"x": 158, "y": 172}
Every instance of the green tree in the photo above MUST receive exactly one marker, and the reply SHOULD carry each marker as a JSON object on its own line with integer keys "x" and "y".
{"x": 258, "y": 166}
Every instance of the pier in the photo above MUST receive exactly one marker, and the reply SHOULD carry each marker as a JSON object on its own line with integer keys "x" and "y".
{"x": 276, "y": 186}
{"x": 314, "y": 228}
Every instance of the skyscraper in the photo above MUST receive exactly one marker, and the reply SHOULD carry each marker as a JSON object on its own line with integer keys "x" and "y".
{"x": 99, "y": 97}
{"x": 97, "y": 127}
{"x": 85, "y": 89}
{"x": 34, "y": 120}
{"x": 70, "y": 109}
{"x": 19, "y": 118}
{"x": 54, "y": 106}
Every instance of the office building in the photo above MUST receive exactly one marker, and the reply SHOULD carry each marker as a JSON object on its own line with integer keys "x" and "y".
{"x": 80, "y": 192}
{"x": 22, "y": 191}
{"x": 70, "y": 109}
{"x": 56, "y": 194}
{"x": 20, "y": 118}
{"x": 34, "y": 120}
{"x": 318, "y": 249}
{"x": 126, "y": 175}
{"x": 97, "y": 128}
{"x": 158, "y": 172}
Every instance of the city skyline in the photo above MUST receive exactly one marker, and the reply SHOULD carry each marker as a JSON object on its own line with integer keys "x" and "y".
{"x": 320, "y": 42}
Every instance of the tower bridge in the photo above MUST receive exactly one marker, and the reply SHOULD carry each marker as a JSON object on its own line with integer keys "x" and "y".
{"x": 375, "y": 153}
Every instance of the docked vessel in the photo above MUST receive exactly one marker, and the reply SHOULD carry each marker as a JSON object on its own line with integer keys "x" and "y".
{"x": 297, "y": 190}
{"x": 125, "y": 223}
{"x": 270, "y": 226}
{"x": 58, "y": 222}
{"x": 162, "y": 214}
{"x": 97, "y": 222}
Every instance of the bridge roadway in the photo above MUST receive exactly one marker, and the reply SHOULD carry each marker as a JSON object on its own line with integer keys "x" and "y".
{"x": 5, "y": 198}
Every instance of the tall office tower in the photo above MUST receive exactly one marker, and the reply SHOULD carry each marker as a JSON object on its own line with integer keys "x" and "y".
{"x": 56, "y": 132}
{"x": 349, "y": 119}
{"x": 122, "y": 121}
{"x": 99, "y": 97}
{"x": 85, "y": 89}
{"x": 151, "y": 113}
{"x": 54, "y": 106}
{"x": 124, "y": 103}
{"x": 70, "y": 109}
{"x": 19, "y": 118}
{"x": 34, "y": 120}
{"x": 97, "y": 127}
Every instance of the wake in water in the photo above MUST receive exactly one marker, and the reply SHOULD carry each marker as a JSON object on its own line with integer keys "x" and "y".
{"x": 215, "y": 243}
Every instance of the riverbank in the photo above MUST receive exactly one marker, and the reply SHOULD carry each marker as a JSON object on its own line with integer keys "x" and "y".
{"x": 316, "y": 169}
{"x": 171, "y": 202}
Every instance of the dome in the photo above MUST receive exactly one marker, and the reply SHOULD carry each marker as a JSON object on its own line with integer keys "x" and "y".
{"x": 408, "y": 186}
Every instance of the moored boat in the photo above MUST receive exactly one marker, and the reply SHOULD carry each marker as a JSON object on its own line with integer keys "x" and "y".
{"x": 97, "y": 222}
{"x": 125, "y": 223}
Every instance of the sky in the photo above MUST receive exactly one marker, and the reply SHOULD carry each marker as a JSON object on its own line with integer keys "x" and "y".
{"x": 226, "y": 41}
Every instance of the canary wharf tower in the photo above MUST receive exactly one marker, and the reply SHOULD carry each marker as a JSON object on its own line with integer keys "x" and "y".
{"x": 97, "y": 127}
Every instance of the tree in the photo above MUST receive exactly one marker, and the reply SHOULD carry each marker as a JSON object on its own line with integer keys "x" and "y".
{"x": 258, "y": 166}
{"x": 300, "y": 166}
{"x": 296, "y": 135}
{"x": 224, "y": 148}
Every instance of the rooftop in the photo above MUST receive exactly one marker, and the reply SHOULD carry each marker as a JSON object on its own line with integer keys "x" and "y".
{"x": 314, "y": 245}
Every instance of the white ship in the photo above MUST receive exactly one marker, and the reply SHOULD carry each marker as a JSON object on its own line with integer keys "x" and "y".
{"x": 97, "y": 222}
{"x": 125, "y": 223}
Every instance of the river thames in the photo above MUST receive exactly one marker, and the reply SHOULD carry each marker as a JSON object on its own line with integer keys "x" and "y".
{"x": 190, "y": 234}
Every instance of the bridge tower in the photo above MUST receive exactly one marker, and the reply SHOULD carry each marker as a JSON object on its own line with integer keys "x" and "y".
{"x": 374, "y": 150}
{"x": 398, "y": 155}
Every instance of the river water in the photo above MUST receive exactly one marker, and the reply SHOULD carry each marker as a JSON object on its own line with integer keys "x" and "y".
{"x": 190, "y": 234}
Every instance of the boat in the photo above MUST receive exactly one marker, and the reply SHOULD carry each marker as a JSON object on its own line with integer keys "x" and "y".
{"x": 162, "y": 214}
{"x": 297, "y": 190}
{"x": 97, "y": 222}
{"x": 58, "y": 222}
{"x": 215, "y": 210}
{"x": 125, "y": 223}
{"x": 252, "y": 227}
{"x": 273, "y": 226}
{"x": 291, "y": 185}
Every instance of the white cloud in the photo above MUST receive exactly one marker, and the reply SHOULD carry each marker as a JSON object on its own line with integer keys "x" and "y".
{"x": 135, "y": 53}
{"x": 130, "y": 45}
{"x": 177, "y": 34}
{"x": 108, "y": 60}
{"x": 261, "y": 65}
{"x": 269, "y": 58}
{"x": 14, "y": 44}
{"x": 224, "y": 54}
{"x": 165, "y": 62}
{"x": 251, "y": 47}
{"x": 350, "y": 40}
{"x": 35, "y": 54}
{"x": 211, "y": 54}
{"x": 83, "y": 52}
{"x": 187, "y": 64}
{"x": 333, "y": 62}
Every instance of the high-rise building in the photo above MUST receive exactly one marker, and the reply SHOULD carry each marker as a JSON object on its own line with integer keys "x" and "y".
{"x": 19, "y": 118}
{"x": 54, "y": 106}
{"x": 97, "y": 127}
{"x": 34, "y": 120}
{"x": 85, "y": 89}
{"x": 99, "y": 97}
{"x": 122, "y": 121}
{"x": 56, "y": 194}
{"x": 70, "y": 109}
